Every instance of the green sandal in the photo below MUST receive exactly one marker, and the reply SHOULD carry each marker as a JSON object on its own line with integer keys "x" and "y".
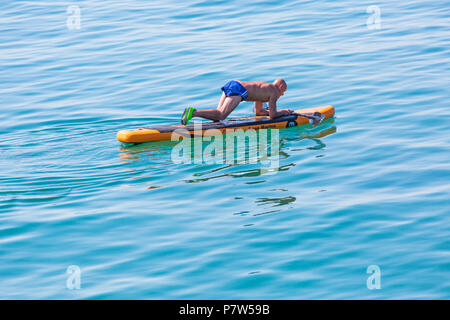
{"x": 187, "y": 115}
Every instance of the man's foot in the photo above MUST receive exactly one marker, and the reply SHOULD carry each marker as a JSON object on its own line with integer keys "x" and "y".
{"x": 187, "y": 115}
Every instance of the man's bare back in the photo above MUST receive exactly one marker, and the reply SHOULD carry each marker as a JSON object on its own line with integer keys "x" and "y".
{"x": 236, "y": 91}
{"x": 258, "y": 90}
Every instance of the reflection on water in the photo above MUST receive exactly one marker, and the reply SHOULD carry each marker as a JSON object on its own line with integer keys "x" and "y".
{"x": 159, "y": 154}
{"x": 160, "y": 150}
{"x": 69, "y": 196}
{"x": 276, "y": 201}
{"x": 135, "y": 152}
{"x": 156, "y": 158}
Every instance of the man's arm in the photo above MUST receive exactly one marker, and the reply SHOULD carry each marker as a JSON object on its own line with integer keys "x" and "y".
{"x": 273, "y": 113}
{"x": 259, "y": 111}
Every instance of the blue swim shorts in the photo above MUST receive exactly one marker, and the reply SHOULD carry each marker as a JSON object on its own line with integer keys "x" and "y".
{"x": 234, "y": 88}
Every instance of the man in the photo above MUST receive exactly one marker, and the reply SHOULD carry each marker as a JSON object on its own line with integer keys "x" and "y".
{"x": 236, "y": 91}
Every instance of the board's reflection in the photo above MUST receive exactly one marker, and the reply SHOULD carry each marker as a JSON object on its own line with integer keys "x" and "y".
{"x": 160, "y": 152}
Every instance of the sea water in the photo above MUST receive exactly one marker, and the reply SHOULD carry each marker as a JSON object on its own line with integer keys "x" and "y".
{"x": 357, "y": 208}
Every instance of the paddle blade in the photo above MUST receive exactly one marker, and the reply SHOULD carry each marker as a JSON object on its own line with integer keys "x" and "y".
{"x": 316, "y": 118}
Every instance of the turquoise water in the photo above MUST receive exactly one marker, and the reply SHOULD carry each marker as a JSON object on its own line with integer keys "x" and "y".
{"x": 370, "y": 187}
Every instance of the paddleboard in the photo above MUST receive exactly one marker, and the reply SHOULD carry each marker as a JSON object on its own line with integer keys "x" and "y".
{"x": 160, "y": 133}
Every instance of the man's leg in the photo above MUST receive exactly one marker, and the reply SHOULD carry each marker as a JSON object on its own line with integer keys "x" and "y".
{"x": 225, "y": 107}
{"x": 230, "y": 103}
{"x": 222, "y": 99}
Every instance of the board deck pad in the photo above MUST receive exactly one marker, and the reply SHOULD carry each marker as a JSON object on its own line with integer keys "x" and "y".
{"x": 165, "y": 132}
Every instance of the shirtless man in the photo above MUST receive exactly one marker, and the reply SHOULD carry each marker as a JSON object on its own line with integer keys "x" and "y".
{"x": 236, "y": 91}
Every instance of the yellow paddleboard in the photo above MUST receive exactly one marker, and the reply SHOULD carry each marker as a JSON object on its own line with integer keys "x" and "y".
{"x": 160, "y": 133}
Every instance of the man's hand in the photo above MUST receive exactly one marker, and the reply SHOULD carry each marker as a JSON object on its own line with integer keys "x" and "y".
{"x": 285, "y": 112}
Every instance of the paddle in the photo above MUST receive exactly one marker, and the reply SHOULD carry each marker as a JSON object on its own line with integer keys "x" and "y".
{"x": 316, "y": 117}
